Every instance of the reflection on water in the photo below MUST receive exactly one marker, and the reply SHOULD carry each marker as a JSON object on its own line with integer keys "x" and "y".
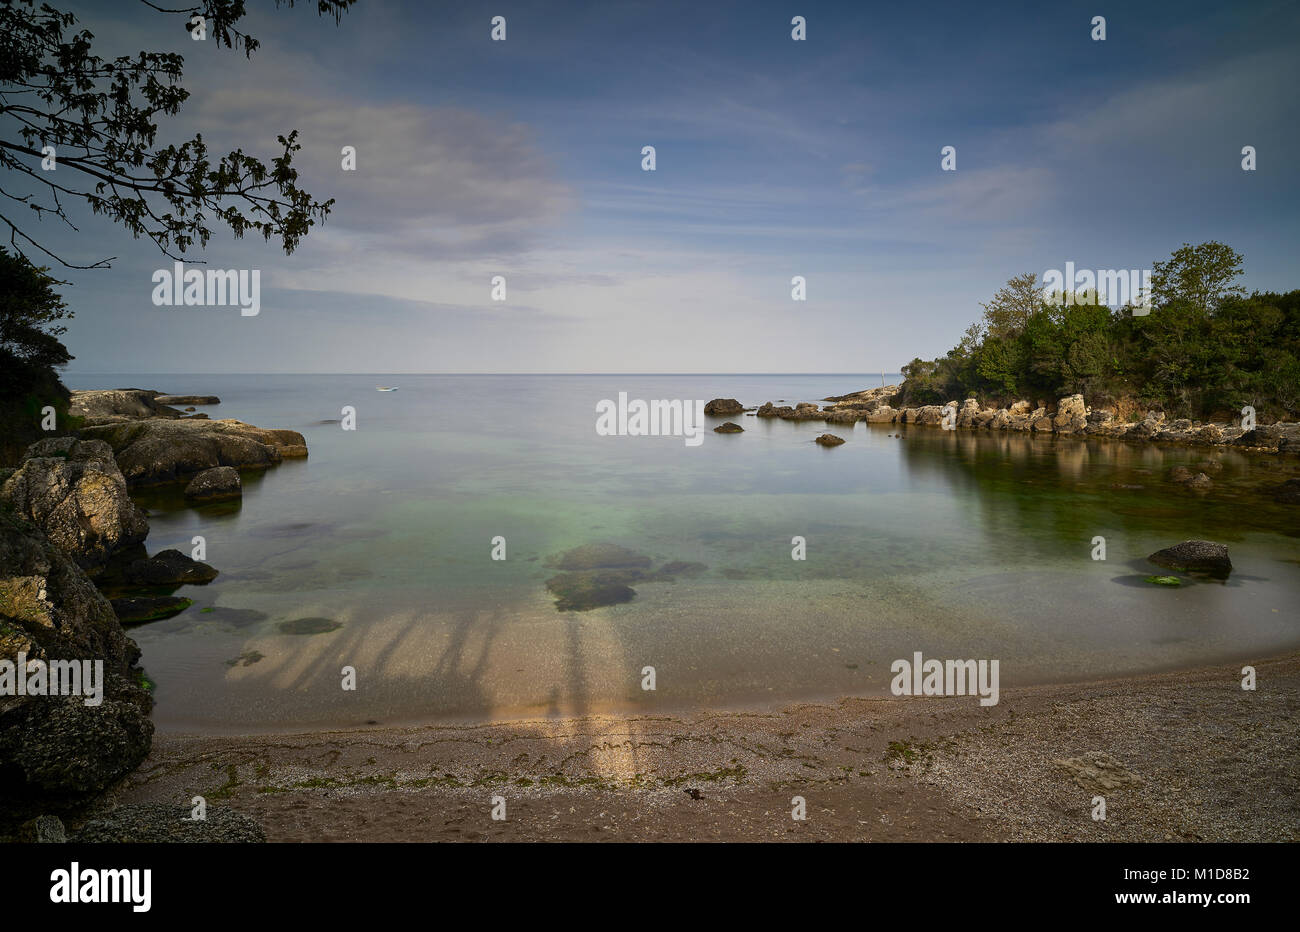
{"x": 375, "y": 554}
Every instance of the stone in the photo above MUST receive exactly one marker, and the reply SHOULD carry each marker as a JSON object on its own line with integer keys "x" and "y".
{"x": 1098, "y": 772}
{"x": 723, "y": 407}
{"x": 74, "y": 492}
{"x": 169, "y": 568}
{"x": 216, "y": 484}
{"x": 1195, "y": 556}
{"x": 829, "y": 440}
{"x": 729, "y": 428}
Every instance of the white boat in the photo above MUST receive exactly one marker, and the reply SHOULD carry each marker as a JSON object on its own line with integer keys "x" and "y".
{"x": 382, "y": 388}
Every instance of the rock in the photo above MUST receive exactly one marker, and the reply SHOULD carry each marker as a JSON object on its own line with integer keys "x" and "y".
{"x": 1042, "y": 425}
{"x": 722, "y": 407}
{"x": 587, "y": 589}
{"x": 1288, "y": 493}
{"x": 729, "y": 428}
{"x": 804, "y": 411}
{"x": 119, "y": 403}
{"x": 1098, "y": 772}
{"x": 844, "y": 416}
{"x": 829, "y": 440}
{"x": 309, "y": 626}
{"x": 74, "y": 492}
{"x": 1019, "y": 408}
{"x": 1149, "y": 426}
{"x": 216, "y": 484}
{"x": 43, "y": 830}
{"x": 152, "y": 823}
{"x": 767, "y": 409}
{"x": 599, "y": 556}
{"x": 1071, "y": 415}
{"x": 1195, "y": 556}
{"x": 58, "y": 752}
{"x": 169, "y": 568}
{"x": 1180, "y": 474}
{"x": 139, "y": 609}
{"x": 882, "y": 415}
{"x": 968, "y": 412}
{"x": 162, "y": 450}
{"x": 187, "y": 400}
{"x": 1200, "y": 482}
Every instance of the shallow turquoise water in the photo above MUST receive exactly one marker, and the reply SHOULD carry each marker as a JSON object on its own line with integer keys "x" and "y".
{"x": 960, "y": 545}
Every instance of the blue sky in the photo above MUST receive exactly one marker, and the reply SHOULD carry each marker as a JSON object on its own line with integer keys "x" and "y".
{"x": 775, "y": 158}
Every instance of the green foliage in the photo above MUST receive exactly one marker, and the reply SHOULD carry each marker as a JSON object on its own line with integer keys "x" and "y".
{"x": 30, "y": 351}
{"x": 101, "y": 117}
{"x": 1204, "y": 350}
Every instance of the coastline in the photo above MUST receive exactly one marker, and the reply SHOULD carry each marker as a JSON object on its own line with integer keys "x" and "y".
{"x": 1195, "y": 758}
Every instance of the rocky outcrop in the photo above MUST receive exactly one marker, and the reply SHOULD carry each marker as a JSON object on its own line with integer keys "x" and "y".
{"x": 1071, "y": 416}
{"x": 160, "y": 450}
{"x": 216, "y": 484}
{"x": 829, "y": 440}
{"x": 723, "y": 407}
{"x": 729, "y": 428}
{"x": 118, "y": 403}
{"x": 56, "y": 751}
{"x": 74, "y": 492}
{"x": 1196, "y": 556}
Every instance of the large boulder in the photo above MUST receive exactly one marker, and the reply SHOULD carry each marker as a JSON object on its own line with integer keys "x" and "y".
{"x": 829, "y": 440}
{"x": 56, "y": 751}
{"x": 1196, "y": 556}
{"x": 216, "y": 484}
{"x": 160, "y": 450}
{"x": 1071, "y": 415}
{"x": 74, "y": 492}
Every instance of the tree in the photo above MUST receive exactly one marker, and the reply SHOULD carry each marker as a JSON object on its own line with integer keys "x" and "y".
{"x": 30, "y": 311}
{"x": 1012, "y": 306}
{"x": 1203, "y": 276}
{"x": 99, "y": 117}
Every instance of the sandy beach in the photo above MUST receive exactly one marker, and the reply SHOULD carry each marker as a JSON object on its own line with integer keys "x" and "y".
{"x": 1186, "y": 756}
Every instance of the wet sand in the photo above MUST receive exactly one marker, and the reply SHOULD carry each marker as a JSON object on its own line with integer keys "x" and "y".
{"x": 1189, "y": 756}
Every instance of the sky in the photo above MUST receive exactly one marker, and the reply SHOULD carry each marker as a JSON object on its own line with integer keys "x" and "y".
{"x": 775, "y": 158}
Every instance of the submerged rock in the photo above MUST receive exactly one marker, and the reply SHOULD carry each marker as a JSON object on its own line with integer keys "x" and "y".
{"x": 829, "y": 440}
{"x": 1288, "y": 493}
{"x": 170, "y": 568}
{"x": 216, "y": 484}
{"x": 309, "y": 626}
{"x": 584, "y": 590}
{"x": 137, "y": 610}
{"x": 599, "y": 556}
{"x": 1202, "y": 556}
{"x": 148, "y": 822}
{"x": 729, "y": 428}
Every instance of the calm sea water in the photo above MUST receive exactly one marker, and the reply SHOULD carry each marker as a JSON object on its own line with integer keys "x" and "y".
{"x": 959, "y": 545}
